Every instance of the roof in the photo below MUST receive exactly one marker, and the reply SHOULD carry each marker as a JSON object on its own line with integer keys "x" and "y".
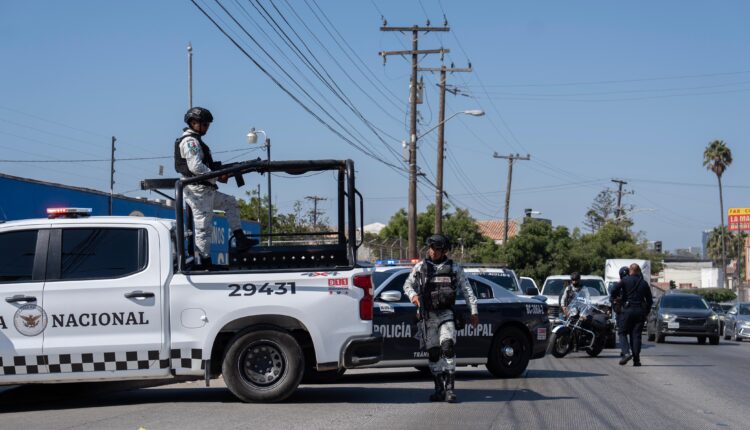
{"x": 567, "y": 277}
{"x": 495, "y": 229}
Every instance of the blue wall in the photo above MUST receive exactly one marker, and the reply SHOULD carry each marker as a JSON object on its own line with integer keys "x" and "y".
{"x": 23, "y": 198}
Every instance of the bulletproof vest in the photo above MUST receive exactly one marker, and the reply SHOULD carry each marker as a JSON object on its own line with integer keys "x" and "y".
{"x": 438, "y": 286}
{"x": 180, "y": 164}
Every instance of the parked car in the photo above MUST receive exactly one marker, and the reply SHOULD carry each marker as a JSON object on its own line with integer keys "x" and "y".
{"x": 554, "y": 286}
{"x": 528, "y": 285}
{"x": 737, "y": 322}
{"x": 512, "y": 329}
{"x": 502, "y": 276}
{"x": 685, "y": 315}
{"x": 721, "y": 310}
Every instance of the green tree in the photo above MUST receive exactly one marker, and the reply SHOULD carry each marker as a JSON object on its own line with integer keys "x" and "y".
{"x": 717, "y": 157}
{"x": 733, "y": 243}
{"x": 538, "y": 250}
{"x": 601, "y": 211}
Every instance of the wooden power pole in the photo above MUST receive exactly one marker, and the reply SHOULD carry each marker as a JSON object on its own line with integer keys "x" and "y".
{"x": 441, "y": 142}
{"x": 415, "y": 52}
{"x": 315, "y": 200}
{"x": 510, "y": 159}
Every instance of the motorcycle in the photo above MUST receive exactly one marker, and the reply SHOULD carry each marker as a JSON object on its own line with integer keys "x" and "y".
{"x": 585, "y": 327}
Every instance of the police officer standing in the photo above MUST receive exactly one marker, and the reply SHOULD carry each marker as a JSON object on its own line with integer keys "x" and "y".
{"x": 432, "y": 287}
{"x": 193, "y": 157}
{"x": 636, "y": 304}
{"x": 617, "y": 308}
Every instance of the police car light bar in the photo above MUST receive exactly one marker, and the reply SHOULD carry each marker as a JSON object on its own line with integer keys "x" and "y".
{"x": 68, "y": 212}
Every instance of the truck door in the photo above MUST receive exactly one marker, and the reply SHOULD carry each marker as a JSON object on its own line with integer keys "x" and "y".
{"x": 396, "y": 321}
{"x": 22, "y": 315}
{"x": 104, "y": 303}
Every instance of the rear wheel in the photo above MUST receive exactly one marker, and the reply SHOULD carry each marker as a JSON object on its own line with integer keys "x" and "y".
{"x": 724, "y": 332}
{"x": 701, "y": 340}
{"x": 714, "y": 340}
{"x": 263, "y": 366}
{"x": 510, "y": 353}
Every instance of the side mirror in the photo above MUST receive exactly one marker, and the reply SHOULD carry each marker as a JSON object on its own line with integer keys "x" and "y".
{"x": 532, "y": 291}
{"x": 390, "y": 296}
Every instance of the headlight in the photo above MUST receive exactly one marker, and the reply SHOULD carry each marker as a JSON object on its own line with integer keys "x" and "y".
{"x": 666, "y": 317}
{"x": 746, "y": 323}
{"x": 713, "y": 317}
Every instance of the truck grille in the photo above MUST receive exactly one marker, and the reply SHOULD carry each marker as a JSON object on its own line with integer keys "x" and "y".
{"x": 553, "y": 311}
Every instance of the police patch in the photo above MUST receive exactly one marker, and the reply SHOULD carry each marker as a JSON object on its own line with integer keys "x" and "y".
{"x": 193, "y": 146}
{"x": 30, "y": 320}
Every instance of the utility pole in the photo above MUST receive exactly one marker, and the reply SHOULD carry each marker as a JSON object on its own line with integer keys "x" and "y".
{"x": 441, "y": 142}
{"x": 315, "y": 200}
{"x": 619, "y": 211}
{"x": 510, "y": 159}
{"x": 190, "y": 75}
{"x": 112, "y": 175}
{"x": 415, "y": 52}
{"x": 259, "y": 203}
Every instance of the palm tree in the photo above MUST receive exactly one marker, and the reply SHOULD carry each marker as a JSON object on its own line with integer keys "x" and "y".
{"x": 716, "y": 158}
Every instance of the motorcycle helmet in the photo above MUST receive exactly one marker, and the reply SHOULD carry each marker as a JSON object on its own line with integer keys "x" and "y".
{"x": 624, "y": 271}
{"x": 439, "y": 241}
{"x": 199, "y": 114}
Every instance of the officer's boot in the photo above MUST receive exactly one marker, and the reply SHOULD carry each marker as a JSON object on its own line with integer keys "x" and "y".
{"x": 450, "y": 380}
{"x": 439, "y": 394}
{"x": 241, "y": 242}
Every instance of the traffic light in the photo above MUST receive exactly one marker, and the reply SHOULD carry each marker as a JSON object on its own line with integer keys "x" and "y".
{"x": 657, "y": 246}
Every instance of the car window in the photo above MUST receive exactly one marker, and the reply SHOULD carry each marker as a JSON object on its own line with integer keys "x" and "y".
{"x": 17, "y": 249}
{"x": 595, "y": 286}
{"x": 91, "y": 253}
{"x": 504, "y": 279}
{"x": 678, "y": 301}
{"x": 481, "y": 290}
{"x": 397, "y": 284}
{"x": 553, "y": 287}
{"x": 526, "y": 284}
{"x": 744, "y": 309}
{"x": 379, "y": 277}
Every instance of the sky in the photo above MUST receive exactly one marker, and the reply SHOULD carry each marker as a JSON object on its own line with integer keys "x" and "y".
{"x": 591, "y": 90}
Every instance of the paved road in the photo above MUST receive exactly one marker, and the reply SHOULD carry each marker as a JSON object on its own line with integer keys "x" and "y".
{"x": 680, "y": 385}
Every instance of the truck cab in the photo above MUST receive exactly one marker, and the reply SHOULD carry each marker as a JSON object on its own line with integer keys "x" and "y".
{"x": 115, "y": 298}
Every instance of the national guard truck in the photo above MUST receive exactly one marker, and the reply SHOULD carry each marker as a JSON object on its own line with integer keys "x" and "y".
{"x": 117, "y": 298}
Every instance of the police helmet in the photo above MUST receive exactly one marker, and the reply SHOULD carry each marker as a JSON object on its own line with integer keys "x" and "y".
{"x": 439, "y": 241}
{"x": 575, "y": 276}
{"x": 624, "y": 271}
{"x": 198, "y": 114}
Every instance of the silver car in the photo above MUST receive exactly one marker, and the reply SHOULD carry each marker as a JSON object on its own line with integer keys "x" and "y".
{"x": 737, "y": 322}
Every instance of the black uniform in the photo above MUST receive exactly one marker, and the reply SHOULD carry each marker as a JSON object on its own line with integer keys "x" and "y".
{"x": 636, "y": 304}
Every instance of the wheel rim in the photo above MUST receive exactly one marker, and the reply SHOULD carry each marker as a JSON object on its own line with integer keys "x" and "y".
{"x": 562, "y": 344}
{"x": 263, "y": 363}
{"x": 510, "y": 351}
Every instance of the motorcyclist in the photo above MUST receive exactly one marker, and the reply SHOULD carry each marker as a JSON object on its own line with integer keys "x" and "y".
{"x": 193, "y": 157}
{"x": 570, "y": 291}
{"x": 637, "y": 301}
{"x": 432, "y": 286}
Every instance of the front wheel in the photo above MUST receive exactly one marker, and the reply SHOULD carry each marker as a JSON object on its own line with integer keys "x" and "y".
{"x": 562, "y": 345}
{"x": 263, "y": 366}
{"x": 597, "y": 348}
{"x": 510, "y": 353}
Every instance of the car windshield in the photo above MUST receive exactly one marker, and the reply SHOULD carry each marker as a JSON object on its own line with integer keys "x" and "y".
{"x": 554, "y": 287}
{"x": 504, "y": 279}
{"x": 595, "y": 287}
{"x": 677, "y": 301}
{"x": 744, "y": 309}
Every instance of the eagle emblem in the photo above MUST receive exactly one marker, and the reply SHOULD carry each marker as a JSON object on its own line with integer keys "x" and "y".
{"x": 30, "y": 321}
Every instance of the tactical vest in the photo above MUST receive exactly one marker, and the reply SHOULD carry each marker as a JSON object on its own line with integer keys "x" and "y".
{"x": 180, "y": 164}
{"x": 438, "y": 289}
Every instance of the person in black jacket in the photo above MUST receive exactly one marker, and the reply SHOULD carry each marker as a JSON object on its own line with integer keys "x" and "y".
{"x": 617, "y": 302}
{"x": 636, "y": 298}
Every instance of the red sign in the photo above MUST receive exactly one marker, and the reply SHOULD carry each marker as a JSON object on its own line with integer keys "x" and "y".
{"x": 739, "y": 219}
{"x": 338, "y": 282}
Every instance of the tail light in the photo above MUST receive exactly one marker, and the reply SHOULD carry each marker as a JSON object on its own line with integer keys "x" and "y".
{"x": 364, "y": 281}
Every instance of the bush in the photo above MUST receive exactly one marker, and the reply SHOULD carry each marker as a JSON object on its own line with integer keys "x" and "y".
{"x": 713, "y": 294}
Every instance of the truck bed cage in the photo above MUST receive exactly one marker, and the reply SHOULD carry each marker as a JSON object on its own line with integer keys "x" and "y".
{"x": 341, "y": 254}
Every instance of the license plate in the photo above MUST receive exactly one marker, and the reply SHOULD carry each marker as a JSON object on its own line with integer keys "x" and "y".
{"x": 673, "y": 325}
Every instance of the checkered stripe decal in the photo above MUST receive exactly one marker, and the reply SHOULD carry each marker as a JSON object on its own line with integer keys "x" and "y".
{"x": 73, "y": 363}
{"x": 187, "y": 358}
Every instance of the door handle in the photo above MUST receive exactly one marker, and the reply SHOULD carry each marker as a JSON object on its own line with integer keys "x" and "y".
{"x": 138, "y": 295}
{"x": 16, "y": 299}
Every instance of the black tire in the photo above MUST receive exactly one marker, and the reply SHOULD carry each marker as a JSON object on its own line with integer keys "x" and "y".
{"x": 701, "y": 340}
{"x": 724, "y": 332}
{"x": 737, "y": 338}
{"x": 562, "y": 346}
{"x": 281, "y": 357}
{"x": 597, "y": 348}
{"x": 510, "y": 353}
{"x": 713, "y": 340}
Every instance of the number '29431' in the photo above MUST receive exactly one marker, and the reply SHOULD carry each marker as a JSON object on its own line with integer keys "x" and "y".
{"x": 268, "y": 288}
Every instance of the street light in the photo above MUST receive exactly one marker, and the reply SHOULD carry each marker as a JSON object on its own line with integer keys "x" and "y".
{"x": 472, "y": 112}
{"x": 252, "y": 138}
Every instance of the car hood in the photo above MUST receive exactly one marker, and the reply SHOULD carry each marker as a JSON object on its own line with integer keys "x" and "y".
{"x": 687, "y": 312}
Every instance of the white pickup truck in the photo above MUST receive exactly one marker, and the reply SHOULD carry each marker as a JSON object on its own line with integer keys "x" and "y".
{"x": 115, "y": 298}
